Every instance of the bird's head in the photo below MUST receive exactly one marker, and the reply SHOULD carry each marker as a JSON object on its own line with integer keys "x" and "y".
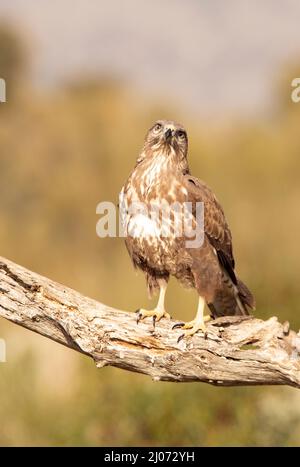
{"x": 165, "y": 136}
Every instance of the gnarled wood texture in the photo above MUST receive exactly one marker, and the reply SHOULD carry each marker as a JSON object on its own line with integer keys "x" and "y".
{"x": 236, "y": 351}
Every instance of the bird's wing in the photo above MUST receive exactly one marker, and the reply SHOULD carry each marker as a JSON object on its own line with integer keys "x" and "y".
{"x": 215, "y": 225}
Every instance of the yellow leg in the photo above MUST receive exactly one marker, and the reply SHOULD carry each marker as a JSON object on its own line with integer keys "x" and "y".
{"x": 159, "y": 311}
{"x": 197, "y": 324}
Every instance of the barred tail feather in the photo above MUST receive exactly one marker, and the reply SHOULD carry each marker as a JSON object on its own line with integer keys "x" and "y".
{"x": 232, "y": 299}
{"x": 245, "y": 295}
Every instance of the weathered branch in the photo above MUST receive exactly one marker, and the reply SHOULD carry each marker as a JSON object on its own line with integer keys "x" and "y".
{"x": 235, "y": 351}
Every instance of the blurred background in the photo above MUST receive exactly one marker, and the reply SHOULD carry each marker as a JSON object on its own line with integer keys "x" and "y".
{"x": 85, "y": 80}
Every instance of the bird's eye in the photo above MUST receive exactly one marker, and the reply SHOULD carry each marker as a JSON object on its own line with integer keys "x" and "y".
{"x": 157, "y": 128}
{"x": 181, "y": 134}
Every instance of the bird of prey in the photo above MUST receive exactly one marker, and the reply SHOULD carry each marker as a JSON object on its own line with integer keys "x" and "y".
{"x": 162, "y": 174}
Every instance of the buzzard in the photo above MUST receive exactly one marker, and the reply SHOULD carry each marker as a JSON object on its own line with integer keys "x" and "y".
{"x": 161, "y": 174}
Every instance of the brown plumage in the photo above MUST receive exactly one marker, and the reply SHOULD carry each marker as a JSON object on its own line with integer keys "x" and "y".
{"x": 161, "y": 174}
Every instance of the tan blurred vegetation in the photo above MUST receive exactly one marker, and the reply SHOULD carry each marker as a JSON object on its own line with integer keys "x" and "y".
{"x": 62, "y": 153}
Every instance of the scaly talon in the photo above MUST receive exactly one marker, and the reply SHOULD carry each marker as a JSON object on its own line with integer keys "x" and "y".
{"x": 192, "y": 327}
{"x": 155, "y": 314}
{"x": 159, "y": 312}
{"x": 192, "y": 330}
{"x": 178, "y": 325}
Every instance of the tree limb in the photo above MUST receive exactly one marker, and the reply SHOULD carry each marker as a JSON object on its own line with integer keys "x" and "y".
{"x": 236, "y": 351}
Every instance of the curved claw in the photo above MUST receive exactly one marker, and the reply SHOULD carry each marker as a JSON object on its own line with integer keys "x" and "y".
{"x": 154, "y": 321}
{"x": 191, "y": 333}
{"x": 155, "y": 314}
{"x": 138, "y": 316}
{"x": 178, "y": 325}
{"x": 180, "y": 338}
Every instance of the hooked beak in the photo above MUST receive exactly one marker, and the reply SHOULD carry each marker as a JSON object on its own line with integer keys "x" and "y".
{"x": 168, "y": 134}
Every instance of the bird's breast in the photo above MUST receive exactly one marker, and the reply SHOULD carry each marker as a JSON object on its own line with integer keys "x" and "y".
{"x": 149, "y": 219}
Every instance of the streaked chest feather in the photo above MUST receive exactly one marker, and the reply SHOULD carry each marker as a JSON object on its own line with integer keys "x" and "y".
{"x": 156, "y": 187}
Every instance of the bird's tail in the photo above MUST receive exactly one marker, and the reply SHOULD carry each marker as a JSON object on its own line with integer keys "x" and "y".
{"x": 233, "y": 299}
{"x": 245, "y": 295}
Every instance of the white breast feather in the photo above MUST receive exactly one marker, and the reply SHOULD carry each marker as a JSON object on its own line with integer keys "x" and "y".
{"x": 141, "y": 225}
